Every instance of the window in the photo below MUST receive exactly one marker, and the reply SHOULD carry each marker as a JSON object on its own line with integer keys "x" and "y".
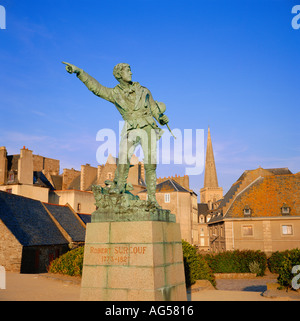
{"x": 109, "y": 175}
{"x": 247, "y": 211}
{"x": 287, "y": 230}
{"x": 285, "y": 210}
{"x": 11, "y": 177}
{"x": 247, "y": 230}
{"x": 201, "y": 219}
{"x": 9, "y": 190}
{"x": 78, "y": 207}
{"x": 167, "y": 198}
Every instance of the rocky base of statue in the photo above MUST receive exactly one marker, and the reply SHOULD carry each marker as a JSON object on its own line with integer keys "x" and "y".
{"x": 113, "y": 206}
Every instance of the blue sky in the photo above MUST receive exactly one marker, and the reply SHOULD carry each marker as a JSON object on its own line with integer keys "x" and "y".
{"x": 231, "y": 65}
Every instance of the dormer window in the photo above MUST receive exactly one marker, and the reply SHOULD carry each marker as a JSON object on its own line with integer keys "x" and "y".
{"x": 247, "y": 211}
{"x": 285, "y": 210}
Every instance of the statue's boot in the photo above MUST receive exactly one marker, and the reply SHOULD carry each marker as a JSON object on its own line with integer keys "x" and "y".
{"x": 151, "y": 184}
{"x": 123, "y": 170}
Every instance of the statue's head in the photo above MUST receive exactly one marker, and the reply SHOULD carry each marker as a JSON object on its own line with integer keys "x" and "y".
{"x": 122, "y": 72}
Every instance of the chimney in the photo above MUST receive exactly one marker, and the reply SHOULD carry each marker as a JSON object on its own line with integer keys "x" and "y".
{"x": 25, "y": 167}
{"x": 88, "y": 175}
{"x": 3, "y": 165}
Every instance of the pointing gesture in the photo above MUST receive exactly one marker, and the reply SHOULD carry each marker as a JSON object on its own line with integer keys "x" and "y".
{"x": 71, "y": 68}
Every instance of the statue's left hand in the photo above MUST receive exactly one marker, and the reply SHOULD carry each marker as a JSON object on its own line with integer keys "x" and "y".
{"x": 163, "y": 120}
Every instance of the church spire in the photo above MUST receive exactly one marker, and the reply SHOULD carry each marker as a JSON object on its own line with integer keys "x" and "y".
{"x": 211, "y": 192}
{"x": 210, "y": 175}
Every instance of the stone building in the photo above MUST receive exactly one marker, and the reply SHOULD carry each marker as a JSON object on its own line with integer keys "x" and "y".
{"x": 39, "y": 178}
{"x": 33, "y": 233}
{"x": 182, "y": 202}
{"x": 75, "y": 187}
{"x": 261, "y": 211}
{"x": 203, "y": 218}
{"x": 26, "y": 174}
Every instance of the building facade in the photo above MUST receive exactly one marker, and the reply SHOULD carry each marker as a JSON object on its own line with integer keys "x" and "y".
{"x": 182, "y": 202}
{"x": 33, "y": 233}
{"x": 261, "y": 211}
{"x": 26, "y": 174}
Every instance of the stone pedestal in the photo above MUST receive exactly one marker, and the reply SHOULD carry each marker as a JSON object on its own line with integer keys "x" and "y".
{"x": 133, "y": 261}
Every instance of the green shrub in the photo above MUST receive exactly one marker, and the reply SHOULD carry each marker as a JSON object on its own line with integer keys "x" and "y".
{"x": 236, "y": 261}
{"x": 254, "y": 267}
{"x": 69, "y": 263}
{"x": 275, "y": 261}
{"x": 290, "y": 259}
{"x": 195, "y": 266}
{"x": 224, "y": 262}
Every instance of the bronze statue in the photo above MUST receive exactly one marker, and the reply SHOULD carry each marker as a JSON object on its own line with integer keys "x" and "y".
{"x": 140, "y": 113}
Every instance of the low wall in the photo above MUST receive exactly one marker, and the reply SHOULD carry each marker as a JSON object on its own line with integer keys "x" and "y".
{"x": 235, "y": 276}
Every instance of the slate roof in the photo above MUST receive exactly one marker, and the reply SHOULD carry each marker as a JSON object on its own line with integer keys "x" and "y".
{"x": 75, "y": 184}
{"x": 68, "y": 221}
{"x": 41, "y": 180}
{"x": 169, "y": 185}
{"x": 94, "y": 182}
{"x": 57, "y": 181}
{"x": 229, "y": 194}
{"x": 29, "y": 221}
{"x": 86, "y": 218}
{"x": 202, "y": 208}
{"x": 275, "y": 171}
{"x": 266, "y": 195}
{"x": 12, "y": 162}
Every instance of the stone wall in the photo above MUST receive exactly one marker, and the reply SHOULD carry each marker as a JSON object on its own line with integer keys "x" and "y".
{"x": 47, "y": 165}
{"x": 36, "y": 259}
{"x": 25, "y": 167}
{"x": 88, "y": 176}
{"x": 184, "y": 181}
{"x": 10, "y": 250}
{"x": 3, "y": 165}
{"x": 68, "y": 176}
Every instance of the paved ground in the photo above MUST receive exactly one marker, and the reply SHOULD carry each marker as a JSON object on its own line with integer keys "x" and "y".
{"x": 248, "y": 285}
{"x": 32, "y": 287}
{"x": 35, "y": 287}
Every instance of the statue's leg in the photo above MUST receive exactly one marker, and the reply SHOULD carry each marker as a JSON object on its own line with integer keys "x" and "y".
{"x": 148, "y": 143}
{"x": 151, "y": 183}
{"x": 126, "y": 150}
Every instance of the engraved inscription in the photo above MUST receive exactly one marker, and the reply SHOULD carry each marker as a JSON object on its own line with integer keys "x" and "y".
{"x": 116, "y": 254}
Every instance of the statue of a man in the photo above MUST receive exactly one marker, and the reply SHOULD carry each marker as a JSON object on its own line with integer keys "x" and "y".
{"x": 139, "y": 111}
